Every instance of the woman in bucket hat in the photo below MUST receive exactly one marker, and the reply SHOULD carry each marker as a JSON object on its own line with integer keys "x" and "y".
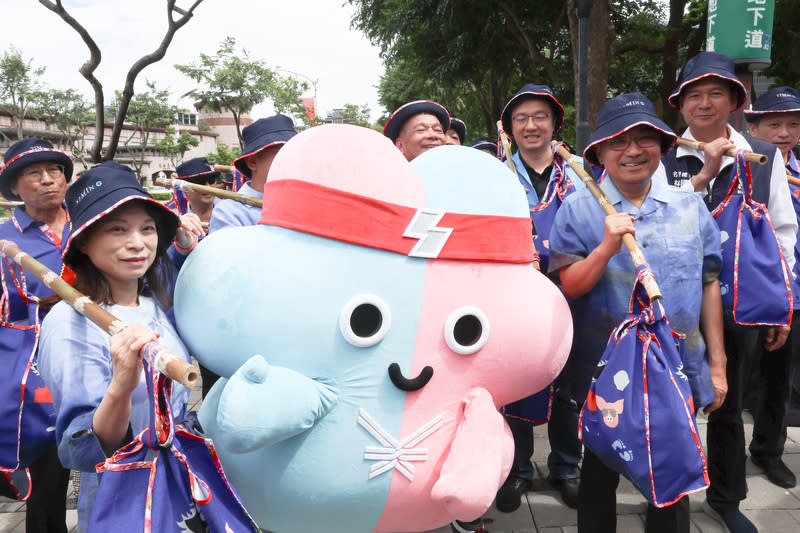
{"x": 673, "y": 227}
{"x": 262, "y": 140}
{"x": 118, "y": 250}
{"x": 36, "y": 173}
{"x": 709, "y": 91}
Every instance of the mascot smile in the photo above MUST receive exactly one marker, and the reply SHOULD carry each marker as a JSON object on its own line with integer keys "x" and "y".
{"x": 367, "y": 330}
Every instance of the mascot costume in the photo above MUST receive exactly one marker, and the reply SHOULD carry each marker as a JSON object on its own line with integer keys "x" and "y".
{"x": 367, "y": 330}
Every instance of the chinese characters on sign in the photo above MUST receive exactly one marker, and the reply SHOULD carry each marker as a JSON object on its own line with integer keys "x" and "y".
{"x": 741, "y": 29}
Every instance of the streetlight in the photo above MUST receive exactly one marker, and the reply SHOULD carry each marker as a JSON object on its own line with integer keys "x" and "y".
{"x": 313, "y": 84}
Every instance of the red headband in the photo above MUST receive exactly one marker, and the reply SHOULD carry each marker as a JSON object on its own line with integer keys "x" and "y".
{"x": 364, "y": 221}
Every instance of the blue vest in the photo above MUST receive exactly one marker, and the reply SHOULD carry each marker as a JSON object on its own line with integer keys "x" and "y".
{"x": 681, "y": 169}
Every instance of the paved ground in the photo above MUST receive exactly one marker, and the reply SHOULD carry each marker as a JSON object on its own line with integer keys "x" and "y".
{"x": 771, "y": 508}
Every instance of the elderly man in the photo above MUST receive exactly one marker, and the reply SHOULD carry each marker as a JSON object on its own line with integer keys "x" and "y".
{"x": 417, "y": 126}
{"x": 37, "y": 174}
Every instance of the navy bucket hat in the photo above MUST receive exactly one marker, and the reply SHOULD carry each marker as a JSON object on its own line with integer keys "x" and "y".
{"x": 483, "y": 143}
{"x": 777, "y": 100}
{"x": 623, "y": 113}
{"x": 705, "y": 65}
{"x": 406, "y": 111}
{"x": 196, "y": 170}
{"x": 460, "y": 127}
{"x": 261, "y": 134}
{"x": 26, "y": 152}
{"x": 102, "y": 189}
{"x": 528, "y": 92}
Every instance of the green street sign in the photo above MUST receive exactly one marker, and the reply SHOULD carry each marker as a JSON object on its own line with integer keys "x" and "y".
{"x": 741, "y": 29}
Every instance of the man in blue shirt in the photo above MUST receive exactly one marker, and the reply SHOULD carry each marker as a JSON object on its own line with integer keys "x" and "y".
{"x": 262, "y": 140}
{"x": 533, "y": 116}
{"x": 37, "y": 174}
{"x": 681, "y": 242}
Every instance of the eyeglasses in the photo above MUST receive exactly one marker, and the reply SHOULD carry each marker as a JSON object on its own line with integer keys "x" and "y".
{"x": 619, "y": 144}
{"x": 36, "y": 174}
{"x": 521, "y": 120}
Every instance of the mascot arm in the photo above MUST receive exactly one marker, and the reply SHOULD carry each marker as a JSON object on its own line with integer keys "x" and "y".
{"x": 467, "y": 486}
{"x": 263, "y": 404}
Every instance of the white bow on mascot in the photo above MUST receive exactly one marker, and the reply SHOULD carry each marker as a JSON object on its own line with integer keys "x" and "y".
{"x": 367, "y": 330}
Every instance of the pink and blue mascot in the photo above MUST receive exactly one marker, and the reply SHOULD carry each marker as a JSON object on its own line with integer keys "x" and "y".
{"x": 366, "y": 331}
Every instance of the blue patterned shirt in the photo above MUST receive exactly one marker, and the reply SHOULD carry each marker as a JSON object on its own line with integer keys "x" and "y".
{"x": 680, "y": 241}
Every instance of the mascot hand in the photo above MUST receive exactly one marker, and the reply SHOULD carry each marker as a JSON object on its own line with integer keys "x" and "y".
{"x": 479, "y": 459}
{"x": 262, "y": 404}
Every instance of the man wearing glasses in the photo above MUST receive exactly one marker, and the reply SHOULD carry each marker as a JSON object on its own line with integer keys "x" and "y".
{"x": 533, "y": 116}
{"x": 35, "y": 173}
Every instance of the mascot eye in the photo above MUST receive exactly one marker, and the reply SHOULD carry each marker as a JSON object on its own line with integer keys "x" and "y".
{"x": 466, "y": 330}
{"x": 365, "y": 320}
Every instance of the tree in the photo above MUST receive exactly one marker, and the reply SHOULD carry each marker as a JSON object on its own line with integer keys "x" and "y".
{"x": 87, "y": 70}
{"x": 224, "y": 155}
{"x": 19, "y": 82}
{"x": 146, "y": 111}
{"x": 174, "y": 146}
{"x": 786, "y": 33}
{"x": 71, "y": 115}
{"x": 232, "y": 81}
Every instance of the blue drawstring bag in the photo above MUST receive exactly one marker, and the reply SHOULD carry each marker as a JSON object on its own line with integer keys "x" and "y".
{"x": 638, "y": 417}
{"x": 534, "y": 409}
{"x": 755, "y": 280}
{"x": 27, "y": 414}
{"x": 543, "y": 215}
{"x": 167, "y": 478}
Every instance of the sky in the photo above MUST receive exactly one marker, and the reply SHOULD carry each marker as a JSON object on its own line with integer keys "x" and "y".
{"x": 312, "y": 38}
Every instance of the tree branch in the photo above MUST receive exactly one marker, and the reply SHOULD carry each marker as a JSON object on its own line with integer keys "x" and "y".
{"x": 87, "y": 71}
{"x": 127, "y": 92}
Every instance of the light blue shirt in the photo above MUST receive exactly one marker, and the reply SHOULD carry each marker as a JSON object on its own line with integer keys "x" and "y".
{"x": 229, "y": 212}
{"x": 680, "y": 241}
{"x": 525, "y": 180}
{"x": 75, "y": 363}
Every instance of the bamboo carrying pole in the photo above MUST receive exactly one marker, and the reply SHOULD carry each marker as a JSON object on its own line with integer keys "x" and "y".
{"x": 649, "y": 281}
{"x": 220, "y": 193}
{"x": 223, "y": 168}
{"x": 752, "y": 157}
{"x": 10, "y": 205}
{"x": 167, "y": 363}
{"x": 506, "y": 146}
{"x": 791, "y": 179}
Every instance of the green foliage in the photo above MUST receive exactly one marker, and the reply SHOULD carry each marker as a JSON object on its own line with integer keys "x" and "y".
{"x": 19, "y": 81}
{"x": 231, "y": 80}
{"x": 175, "y": 146}
{"x": 785, "y": 36}
{"x": 161, "y": 196}
{"x": 224, "y": 155}
{"x": 356, "y": 115}
{"x": 71, "y": 115}
{"x": 147, "y": 111}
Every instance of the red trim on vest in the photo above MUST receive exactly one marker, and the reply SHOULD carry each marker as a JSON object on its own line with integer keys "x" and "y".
{"x": 425, "y": 232}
